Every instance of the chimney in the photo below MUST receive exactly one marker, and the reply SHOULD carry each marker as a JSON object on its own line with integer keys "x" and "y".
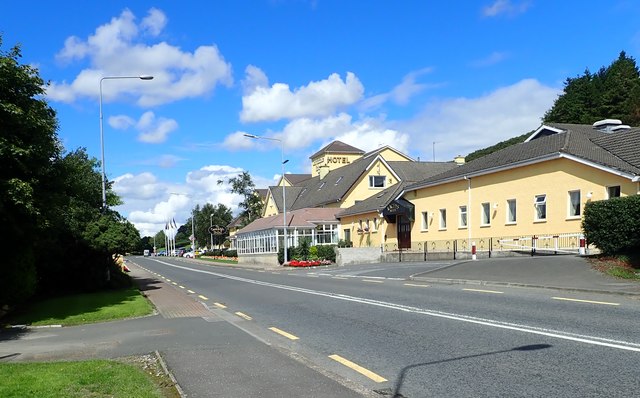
{"x": 459, "y": 160}
{"x": 323, "y": 171}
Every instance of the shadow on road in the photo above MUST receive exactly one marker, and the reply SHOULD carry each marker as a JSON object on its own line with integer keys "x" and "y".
{"x": 403, "y": 374}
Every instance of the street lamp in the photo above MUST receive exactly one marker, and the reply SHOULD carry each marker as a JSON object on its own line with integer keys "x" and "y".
{"x": 104, "y": 176}
{"x": 284, "y": 196}
{"x": 210, "y": 229}
{"x": 193, "y": 221}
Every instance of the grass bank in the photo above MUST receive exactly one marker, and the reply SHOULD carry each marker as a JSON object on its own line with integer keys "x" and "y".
{"x": 622, "y": 266}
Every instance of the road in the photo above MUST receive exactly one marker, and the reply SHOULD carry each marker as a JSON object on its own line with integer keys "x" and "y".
{"x": 373, "y": 326}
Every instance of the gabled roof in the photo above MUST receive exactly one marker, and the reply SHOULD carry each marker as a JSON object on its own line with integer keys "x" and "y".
{"x": 295, "y": 179}
{"x": 409, "y": 173}
{"x": 262, "y": 192}
{"x": 297, "y": 218}
{"x": 377, "y": 151}
{"x": 616, "y": 152}
{"x": 337, "y": 147}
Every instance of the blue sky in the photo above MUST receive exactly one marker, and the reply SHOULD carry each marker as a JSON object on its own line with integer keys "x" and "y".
{"x": 464, "y": 75}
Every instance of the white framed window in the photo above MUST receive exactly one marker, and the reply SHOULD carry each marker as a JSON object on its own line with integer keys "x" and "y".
{"x": 366, "y": 226}
{"x": 443, "y": 218}
{"x": 375, "y": 224}
{"x": 540, "y": 204}
{"x": 463, "y": 216}
{"x": 613, "y": 191}
{"x": 425, "y": 220}
{"x": 511, "y": 211}
{"x": 574, "y": 204}
{"x": 377, "y": 181}
{"x": 485, "y": 214}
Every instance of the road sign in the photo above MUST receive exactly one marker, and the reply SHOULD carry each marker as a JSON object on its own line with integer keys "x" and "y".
{"x": 217, "y": 230}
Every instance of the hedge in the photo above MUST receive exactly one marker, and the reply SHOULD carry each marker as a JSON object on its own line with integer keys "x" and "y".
{"x": 613, "y": 225}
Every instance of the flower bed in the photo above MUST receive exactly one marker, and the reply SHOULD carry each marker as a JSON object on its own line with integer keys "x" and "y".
{"x": 308, "y": 263}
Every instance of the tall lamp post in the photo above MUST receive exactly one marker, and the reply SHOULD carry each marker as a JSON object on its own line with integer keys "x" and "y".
{"x": 104, "y": 176}
{"x": 211, "y": 226}
{"x": 193, "y": 221}
{"x": 284, "y": 196}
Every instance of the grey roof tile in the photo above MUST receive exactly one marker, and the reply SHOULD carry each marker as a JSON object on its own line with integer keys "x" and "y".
{"x": 337, "y": 147}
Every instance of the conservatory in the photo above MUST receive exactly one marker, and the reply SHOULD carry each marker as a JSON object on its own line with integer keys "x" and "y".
{"x": 266, "y": 235}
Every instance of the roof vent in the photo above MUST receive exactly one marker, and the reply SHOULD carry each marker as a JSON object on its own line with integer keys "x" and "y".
{"x": 607, "y": 125}
{"x": 620, "y": 127}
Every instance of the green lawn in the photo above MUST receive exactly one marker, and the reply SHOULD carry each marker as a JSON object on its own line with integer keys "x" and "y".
{"x": 214, "y": 260}
{"x": 84, "y": 308}
{"x": 96, "y": 378}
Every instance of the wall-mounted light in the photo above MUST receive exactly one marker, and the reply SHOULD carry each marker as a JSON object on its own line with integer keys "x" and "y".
{"x": 495, "y": 205}
{"x": 589, "y": 195}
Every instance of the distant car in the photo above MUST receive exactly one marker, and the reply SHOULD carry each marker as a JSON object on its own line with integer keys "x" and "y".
{"x": 162, "y": 253}
{"x": 146, "y": 253}
{"x": 189, "y": 255}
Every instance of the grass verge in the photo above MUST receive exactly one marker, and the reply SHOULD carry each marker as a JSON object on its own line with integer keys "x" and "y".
{"x": 84, "y": 308}
{"x": 215, "y": 260}
{"x": 622, "y": 266}
{"x": 139, "y": 376}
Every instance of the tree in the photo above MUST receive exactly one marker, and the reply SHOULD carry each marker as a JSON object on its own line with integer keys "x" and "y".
{"x": 611, "y": 93}
{"x": 251, "y": 206}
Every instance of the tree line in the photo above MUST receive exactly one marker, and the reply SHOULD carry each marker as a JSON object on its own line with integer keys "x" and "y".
{"x": 58, "y": 237}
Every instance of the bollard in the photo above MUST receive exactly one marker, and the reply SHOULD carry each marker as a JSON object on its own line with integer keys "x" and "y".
{"x": 583, "y": 243}
{"x": 473, "y": 251}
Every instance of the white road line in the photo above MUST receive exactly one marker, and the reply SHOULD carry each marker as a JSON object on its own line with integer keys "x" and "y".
{"x": 203, "y": 297}
{"x": 416, "y": 285}
{"x": 372, "y": 281}
{"x": 592, "y": 340}
{"x": 584, "y": 301}
{"x": 483, "y": 291}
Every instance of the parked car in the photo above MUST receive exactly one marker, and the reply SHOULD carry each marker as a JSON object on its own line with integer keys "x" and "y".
{"x": 189, "y": 255}
{"x": 162, "y": 253}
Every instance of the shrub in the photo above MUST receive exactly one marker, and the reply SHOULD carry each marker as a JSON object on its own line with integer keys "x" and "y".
{"x": 613, "y": 225}
{"x": 327, "y": 252}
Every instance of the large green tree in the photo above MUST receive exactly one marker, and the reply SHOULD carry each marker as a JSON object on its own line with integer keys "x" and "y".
{"x": 60, "y": 238}
{"x": 611, "y": 93}
{"x": 251, "y": 205}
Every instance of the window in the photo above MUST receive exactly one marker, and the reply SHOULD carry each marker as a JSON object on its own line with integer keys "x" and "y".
{"x": 443, "y": 218}
{"x": 613, "y": 192}
{"x": 463, "y": 216}
{"x": 541, "y": 207}
{"x": 486, "y": 214}
{"x": 377, "y": 181}
{"x": 425, "y": 220}
{"x": 511, "y": 211}
{"x": 574, "y": 203}
{"x": 366, "y": 226}
{"x": 347, "y": 236}
{"x": 375, "y": 224}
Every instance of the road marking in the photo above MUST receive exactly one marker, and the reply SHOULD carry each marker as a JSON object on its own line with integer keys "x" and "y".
{"x": 191, "y": 291}
{"x": 536, "y": 330}
{"x": 358, "y": 368}
{"x": 372, "y": 281}
{"x": 584, "y": 301}
{"x": 203, "y": 297}
{"x": 243, "y": 315}
{"x": 283, "y": 333}
{"x": 416, "y": 285}
{"x": 168, "y": 280}
{"x": 181, "y": 287}
{"x": 220, "y": 305}
{"x": 313, "y": 276}
{"x": 275, "y": 272}
{"x": 483, "y": 291}
{"x": 174, "y": 283}
{"x": 324, "y": 274}
{"x": 340, "y": 277}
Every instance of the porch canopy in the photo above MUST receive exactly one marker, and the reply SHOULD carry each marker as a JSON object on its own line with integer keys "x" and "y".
{"x": 398, "y": 207}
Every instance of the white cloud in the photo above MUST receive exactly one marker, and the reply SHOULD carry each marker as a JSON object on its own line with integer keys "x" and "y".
{"x": 370, "y": 134}
{"x": 238, "y": 141}
{"x": 151, "y": 129}
{"x": 320, "y": 98}
{"x": 117, "y": 49}
{"x": 138, "y": 187}
{"x": 492, "y": 59}
{"x": 254, "y": 78}
{"x": 462, "y": 125}
{"x": 505, "y": 7}
{"x": 402, "y": 93}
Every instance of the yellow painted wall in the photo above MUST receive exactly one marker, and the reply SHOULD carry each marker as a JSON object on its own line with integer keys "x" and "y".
{"x": 372, "y": 238}
{"x": 391, "y": 155}
{"x": 553, "y": 178}
{"x": 361, "y": 190}
{"x": 269, "y": 208}
{"x": 333, "y": 160}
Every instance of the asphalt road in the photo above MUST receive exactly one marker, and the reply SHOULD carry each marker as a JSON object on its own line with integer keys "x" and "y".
{"x": 373, "y": 326}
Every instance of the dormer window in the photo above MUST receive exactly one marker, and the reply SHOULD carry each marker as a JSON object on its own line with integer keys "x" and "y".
{"x": 377, "y": 181}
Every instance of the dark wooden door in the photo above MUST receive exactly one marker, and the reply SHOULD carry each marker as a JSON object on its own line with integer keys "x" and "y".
{"x": 404, "y": 232}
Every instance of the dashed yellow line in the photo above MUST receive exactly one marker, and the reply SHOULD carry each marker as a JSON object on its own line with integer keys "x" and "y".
{"x": 416, "y": 285}
{"x": 203, "y": 297}
{"x": 181, "y": 287}
{"x": 174, "y": 283}
{"x": 365, "y": 372}
{"x": 372, "y": 281}
{"x": 220, "y": 305}
{"x": 584, "y": 301}
{"x": 283, "y": 333}
{"x": 168, "y": 280}
{"x": 483, "y": 291}
{"x": 191, "y": 291}
{"x": 243, "y": 315}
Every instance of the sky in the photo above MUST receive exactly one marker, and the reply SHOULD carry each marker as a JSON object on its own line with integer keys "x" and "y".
{"x": 433, "y": 79}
